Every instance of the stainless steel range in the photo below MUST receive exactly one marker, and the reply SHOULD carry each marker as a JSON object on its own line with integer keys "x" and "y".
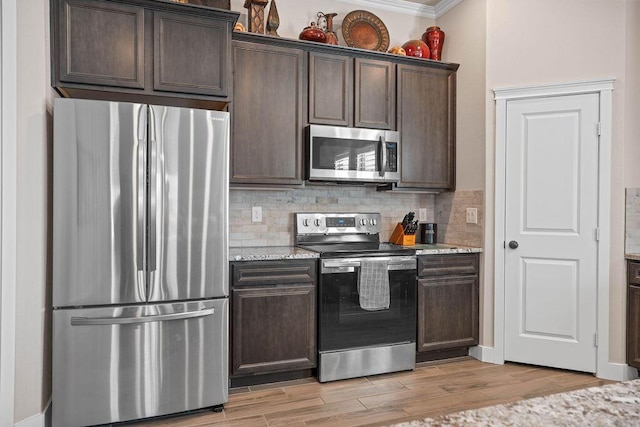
{"x": 366, "y": 295}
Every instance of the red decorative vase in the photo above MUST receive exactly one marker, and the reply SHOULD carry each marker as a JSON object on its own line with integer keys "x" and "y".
{"x": 313, "y": 33}
{"x": 416, "y": 48}
{"x": 434, "y": 38}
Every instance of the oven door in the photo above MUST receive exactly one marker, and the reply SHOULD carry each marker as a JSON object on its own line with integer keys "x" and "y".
{"x": 343, "y": 324}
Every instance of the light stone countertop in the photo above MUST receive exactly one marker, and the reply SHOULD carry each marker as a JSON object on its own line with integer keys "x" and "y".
{"x": 275, "y": 253}
{"x": 633, "y": 257}
{"x": 441, "y": 248}
{"x": 269, "y": 253}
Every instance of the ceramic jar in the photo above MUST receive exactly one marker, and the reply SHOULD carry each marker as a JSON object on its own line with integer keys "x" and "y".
{"x": 313, "y": 33}
{"x": 434, "y": 38}
{"x": 416, "y": 48}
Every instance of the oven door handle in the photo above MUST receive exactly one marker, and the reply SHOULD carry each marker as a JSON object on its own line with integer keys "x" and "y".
{"x": 349, "y": 265}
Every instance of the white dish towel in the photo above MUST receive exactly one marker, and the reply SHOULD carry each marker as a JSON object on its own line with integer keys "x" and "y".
{"x": 373, "y": 284}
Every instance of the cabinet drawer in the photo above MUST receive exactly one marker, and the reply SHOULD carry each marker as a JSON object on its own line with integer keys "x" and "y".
{"x": 439, "y": 265}
{"x": 262, "y": 273}
{"x": 633, "y": 272}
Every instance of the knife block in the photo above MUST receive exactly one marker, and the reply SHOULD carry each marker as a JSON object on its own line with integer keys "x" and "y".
{"x": 399, "y": 238}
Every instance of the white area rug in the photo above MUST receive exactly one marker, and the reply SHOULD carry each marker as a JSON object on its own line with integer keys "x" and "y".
{"x": 610, "y": 405}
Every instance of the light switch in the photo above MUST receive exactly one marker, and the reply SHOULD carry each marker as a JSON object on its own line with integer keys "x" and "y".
{"x": 472, "y": 215}
{"x": 256, "y": 214}
{"x": 422, "y": 215}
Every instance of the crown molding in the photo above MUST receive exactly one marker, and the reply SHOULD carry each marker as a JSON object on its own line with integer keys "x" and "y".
{"x": 408, "y": 7}
{"x": 444, "y": 6}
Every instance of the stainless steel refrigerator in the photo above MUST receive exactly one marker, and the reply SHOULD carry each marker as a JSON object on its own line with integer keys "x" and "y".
{"x": 140, "y": 265}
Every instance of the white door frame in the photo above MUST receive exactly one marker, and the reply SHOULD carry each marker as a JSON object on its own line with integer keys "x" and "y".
{"x": 604, "y": 87}
{"x": 8, "y": 193}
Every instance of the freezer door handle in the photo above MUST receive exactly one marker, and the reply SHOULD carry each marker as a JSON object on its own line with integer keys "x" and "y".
{"x": 93, "y": 321}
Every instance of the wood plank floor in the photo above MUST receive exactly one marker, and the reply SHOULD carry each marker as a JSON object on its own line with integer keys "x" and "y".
{"x": 428, "y": 391}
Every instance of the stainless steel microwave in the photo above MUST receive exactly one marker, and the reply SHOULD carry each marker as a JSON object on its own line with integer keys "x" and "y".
{"x": 340, "y": 154}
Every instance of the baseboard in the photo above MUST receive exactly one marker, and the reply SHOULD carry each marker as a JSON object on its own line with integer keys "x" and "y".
{"x": 609, "y": 371}
{"x": 617, "y": 372}
{"x": 484, "y": 354}
{"x": 38, "y": 420}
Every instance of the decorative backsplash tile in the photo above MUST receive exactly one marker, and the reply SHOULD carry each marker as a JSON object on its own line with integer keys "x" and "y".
{"x": 278, "y": 207}
{"x": 632, "y": 228}
{"x": 450, "y": 214}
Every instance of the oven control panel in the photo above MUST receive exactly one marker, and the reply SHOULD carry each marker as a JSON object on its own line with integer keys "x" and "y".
{"x": 338, "y": 223}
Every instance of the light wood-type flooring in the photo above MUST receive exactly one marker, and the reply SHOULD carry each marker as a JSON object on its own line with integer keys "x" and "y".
{"x": 428, "y": 391}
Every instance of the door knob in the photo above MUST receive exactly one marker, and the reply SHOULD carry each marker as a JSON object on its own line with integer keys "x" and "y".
{"x": 513, "y": 244}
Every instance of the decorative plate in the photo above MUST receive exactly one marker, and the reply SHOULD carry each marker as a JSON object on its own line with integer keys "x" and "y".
{"x": 365, "y": 30}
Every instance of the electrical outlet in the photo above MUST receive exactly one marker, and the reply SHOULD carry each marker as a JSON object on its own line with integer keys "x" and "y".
{"x": 472, "y": 215}
{"x": 256, "y": 214}
{"x": 422, "y": 215}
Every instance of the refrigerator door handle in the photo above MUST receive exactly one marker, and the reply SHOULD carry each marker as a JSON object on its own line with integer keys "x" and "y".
{"x": 141, "y": 166}
{"x": 93, "y": 321}
{"x": 153, "y": 189}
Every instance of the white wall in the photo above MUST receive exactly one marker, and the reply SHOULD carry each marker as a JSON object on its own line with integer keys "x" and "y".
{"x": 546, "y": 41}
{"x": 465, "y": 44}
{"x": 33, "y": 352}
{"x": 632, "y": 99}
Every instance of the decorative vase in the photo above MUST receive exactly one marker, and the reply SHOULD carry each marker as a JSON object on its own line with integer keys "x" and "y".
{"x": 434, "y": 38}
{"x": 313, "y": 33}
{"x": 332, "y": 38}
{"x": 416, "y": 48}
{"x": 273, "y": 19}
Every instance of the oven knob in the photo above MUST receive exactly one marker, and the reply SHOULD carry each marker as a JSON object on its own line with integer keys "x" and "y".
{"x": 373, "y": 221}
{"x": 363, "y": 221}
{"x": 317, "y": 222}
{"x": 305, "y": 222}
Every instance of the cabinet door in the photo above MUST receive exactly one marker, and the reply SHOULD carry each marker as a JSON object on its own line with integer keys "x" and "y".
{"x": 190, "y": 54}
{"x": 633, "y": 326}
{"x": 447, "y": 313}
{"x": 375, "y": 94}
{"x": 426, "y": 121}
{"x": 266, "y": 146}
{"x": 90, "y": 38}
{"x": 330, "y": 89}
{"x": 273, "y": 329}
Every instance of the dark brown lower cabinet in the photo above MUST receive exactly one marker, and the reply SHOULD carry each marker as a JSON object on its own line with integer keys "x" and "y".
{"x": 448, "y": 300}
{"x": 273, "y": 321}
{"x": 633, "y": 314}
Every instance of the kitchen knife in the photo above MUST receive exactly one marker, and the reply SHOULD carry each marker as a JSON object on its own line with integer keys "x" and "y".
{"x": 405, "y": 222}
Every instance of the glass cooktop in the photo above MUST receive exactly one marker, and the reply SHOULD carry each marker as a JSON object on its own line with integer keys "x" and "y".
{"x": 343, "y": 250}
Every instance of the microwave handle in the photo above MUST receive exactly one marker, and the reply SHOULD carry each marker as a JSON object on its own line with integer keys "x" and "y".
{"x": 383, "y": 150}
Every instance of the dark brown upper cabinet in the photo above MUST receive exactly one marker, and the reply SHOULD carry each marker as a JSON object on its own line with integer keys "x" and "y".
{"x": 281, "y": 85}
{"x": 267, "y": 114}
{"x": 142, "y": 51}
{"x": 427, "y": 124}
{"x": 353, "y": 92}
{"x": 183, "y": 62}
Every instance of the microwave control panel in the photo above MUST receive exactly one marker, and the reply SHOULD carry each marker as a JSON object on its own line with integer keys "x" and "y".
{"x": 392, "y": 157}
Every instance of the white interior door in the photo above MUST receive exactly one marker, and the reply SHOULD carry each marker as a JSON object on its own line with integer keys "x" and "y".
{"x": 551, "y": 220}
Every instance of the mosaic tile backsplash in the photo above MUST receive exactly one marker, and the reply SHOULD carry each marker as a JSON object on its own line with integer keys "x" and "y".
{"x": 632, "y": 229}
{"x": 278, "y": 207}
